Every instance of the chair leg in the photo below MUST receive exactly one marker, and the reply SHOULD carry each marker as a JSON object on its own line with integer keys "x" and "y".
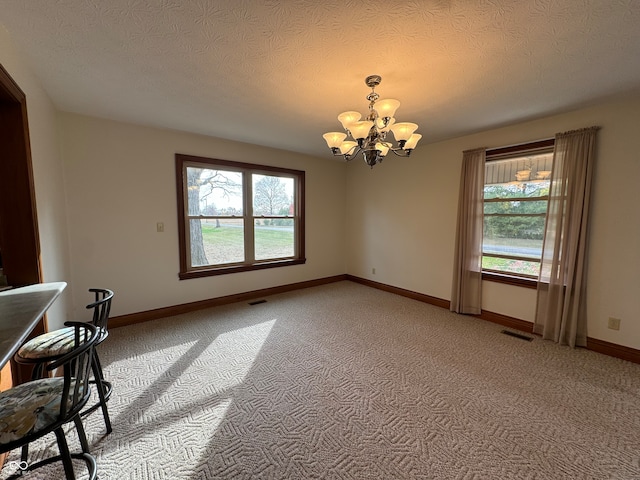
{"x": 81, "y": 434}
{"x": 100, "y": 385}
{"x": 65, "y": 454}
{"x": 106, "y": 385}
{"x": 90, "y": 460}
{"x": 96, "y": 360}
{"x": 24, "y": 456}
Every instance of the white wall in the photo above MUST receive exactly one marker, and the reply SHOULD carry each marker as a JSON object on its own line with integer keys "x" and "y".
{"x": 401, "y": 218}
{"x": 121, "y": 182}
{"x": 48, "y": 177}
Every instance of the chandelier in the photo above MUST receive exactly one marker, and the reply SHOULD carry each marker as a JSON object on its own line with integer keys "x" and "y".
{"x": 369, "y": 136}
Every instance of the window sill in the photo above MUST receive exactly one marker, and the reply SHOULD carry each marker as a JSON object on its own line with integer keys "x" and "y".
{"x": 510, "y": 280}
{"x": 210, "y": 272}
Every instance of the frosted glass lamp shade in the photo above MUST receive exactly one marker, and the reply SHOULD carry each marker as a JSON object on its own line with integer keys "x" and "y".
{"x": 387, "y": 107}
{"x": 413, "y": 140}
{"x": 347, "y": 118}
{"x": 334, "y": 139}
{"x": 347, "y": 147}
{"x": 384, "y": 149}
{"x": 361, "y": 129}
{"x": 403, "y": 130}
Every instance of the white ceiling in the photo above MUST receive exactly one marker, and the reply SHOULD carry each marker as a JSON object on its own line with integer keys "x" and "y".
{"x": 277, "y": 72}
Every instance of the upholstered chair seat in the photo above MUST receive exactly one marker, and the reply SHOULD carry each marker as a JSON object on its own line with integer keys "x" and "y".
{"x": 48, "y": 345}
{"x": 30, "y": 407}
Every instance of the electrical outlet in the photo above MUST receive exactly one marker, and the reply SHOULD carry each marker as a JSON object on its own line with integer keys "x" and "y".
{"x": 614, "y": 323}
{"x": 373, "y": 271}
{"x": 160, "y": 227}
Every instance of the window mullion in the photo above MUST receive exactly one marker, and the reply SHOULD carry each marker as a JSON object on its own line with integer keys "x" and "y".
{"x": 511, "y": 257}
{"x": 516, "y": 199}
{"x": 294, "y": 216}
{"x": 507, "y": 215}
{"x": 249, "y": 223}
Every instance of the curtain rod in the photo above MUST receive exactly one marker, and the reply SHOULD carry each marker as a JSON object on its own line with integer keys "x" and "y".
{"x": 537, "y": 144}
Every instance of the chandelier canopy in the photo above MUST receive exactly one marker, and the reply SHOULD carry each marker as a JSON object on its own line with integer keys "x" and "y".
{"x": 369, "y": 136}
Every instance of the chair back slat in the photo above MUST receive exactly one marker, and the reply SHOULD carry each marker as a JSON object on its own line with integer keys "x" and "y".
{"x": 77, "y": 369}
{"x": 101, "y": 308}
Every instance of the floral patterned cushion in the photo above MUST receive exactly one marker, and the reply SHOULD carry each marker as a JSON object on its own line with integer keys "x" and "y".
{"x": 29, "y": 408}
{"x": 48, "y": 345}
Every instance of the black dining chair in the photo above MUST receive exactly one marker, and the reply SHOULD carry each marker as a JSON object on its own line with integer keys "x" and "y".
{"x": 38, "y": 407}
{"x": 50, "y": 346}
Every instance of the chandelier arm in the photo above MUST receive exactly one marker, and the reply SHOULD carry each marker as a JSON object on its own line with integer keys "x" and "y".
{"x": 405, "y": 153}
{"x": 347, "y": 156}
{"x": 385, "y": 121}
{"x": 350, "y": 156}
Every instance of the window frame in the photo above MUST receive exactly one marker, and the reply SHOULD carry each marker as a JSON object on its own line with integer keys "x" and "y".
{"x": 503, "y": 153}
{"x": 186, "y": 271}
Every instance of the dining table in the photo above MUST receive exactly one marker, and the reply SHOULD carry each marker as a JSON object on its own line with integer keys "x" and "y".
{"x": 21, "y": 309}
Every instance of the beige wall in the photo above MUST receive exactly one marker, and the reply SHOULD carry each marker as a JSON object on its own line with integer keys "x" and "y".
{"x": 120, "y": 181}
{"x": 48, "y": 177}
{"x": 401, "y": 218}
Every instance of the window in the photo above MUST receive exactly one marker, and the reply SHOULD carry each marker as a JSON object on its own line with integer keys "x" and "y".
{"x": 516, "y": 193}
{"x": 234, "y": 217}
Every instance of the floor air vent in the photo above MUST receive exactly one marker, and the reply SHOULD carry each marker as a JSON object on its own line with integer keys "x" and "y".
{"x": 517, "y": 335}
{"x": 257, "y": 302}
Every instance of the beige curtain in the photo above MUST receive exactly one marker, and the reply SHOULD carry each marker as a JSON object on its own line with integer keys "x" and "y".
{"x": 466, "y": 292}
{"x": 561, "y": 298}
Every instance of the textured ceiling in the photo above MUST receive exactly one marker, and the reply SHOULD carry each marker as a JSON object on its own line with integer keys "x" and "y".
{"x": 277, "y": 72}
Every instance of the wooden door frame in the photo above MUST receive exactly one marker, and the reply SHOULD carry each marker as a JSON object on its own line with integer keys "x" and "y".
{"x": 19, "y": 238}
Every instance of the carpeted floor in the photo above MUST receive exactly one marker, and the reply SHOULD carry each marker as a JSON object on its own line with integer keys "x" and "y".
{"x": 347, "y": 382}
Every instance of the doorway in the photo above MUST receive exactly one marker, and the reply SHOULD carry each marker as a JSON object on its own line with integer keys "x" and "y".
{"x": 19, "y": 241}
